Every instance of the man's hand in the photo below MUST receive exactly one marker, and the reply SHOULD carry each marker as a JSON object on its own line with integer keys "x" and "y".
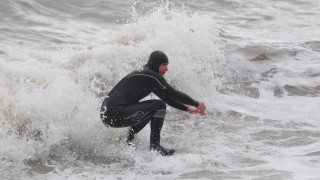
{"x": 201, "y": 108}
{"x": 193, "y": 110}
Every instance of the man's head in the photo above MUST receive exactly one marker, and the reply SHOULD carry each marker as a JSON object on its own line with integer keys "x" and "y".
{"x": 158, "y": 61}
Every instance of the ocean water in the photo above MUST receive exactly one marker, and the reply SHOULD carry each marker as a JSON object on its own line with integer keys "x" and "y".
{"x": 255, "y": 63}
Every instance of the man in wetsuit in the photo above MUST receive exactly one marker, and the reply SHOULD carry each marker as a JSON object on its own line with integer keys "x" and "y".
{"x": 122, "y": 106}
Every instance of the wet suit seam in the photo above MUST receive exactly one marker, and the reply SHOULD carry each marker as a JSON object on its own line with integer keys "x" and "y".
{"x": 163, "y": 87}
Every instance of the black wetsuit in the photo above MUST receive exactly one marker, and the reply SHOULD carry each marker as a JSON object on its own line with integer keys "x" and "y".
{"x": 121, "y": 108}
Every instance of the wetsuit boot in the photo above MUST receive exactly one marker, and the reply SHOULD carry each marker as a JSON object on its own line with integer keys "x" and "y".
{"x": 134, "y": 130}
{"x": 156, "y": 125}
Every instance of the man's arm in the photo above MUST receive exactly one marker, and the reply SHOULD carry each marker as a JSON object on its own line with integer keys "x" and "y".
{"x": 167, "y": 91}
{"x": 165, "y": 88}
{"x": 171, "y": 101}
{"x": 176, "y": 104}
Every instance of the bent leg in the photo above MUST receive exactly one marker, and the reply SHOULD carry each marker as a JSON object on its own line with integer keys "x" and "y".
{"x": 140, "y": 119}
{"x": 161, "y": 113}
{"x": 137, "y": 116}
{"x": 137, "y": 113}
{"x": 130, "y": 115}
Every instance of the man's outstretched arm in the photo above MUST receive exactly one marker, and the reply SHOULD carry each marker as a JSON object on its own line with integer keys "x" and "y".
{"x": 174, "y": 103}
{"x": 170, "y": 101}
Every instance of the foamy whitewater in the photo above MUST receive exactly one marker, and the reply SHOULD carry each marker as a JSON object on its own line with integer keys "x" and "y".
{"x": 255, "y": 63}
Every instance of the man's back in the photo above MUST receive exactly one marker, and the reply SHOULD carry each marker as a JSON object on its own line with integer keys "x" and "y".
{"x": 135, "y": 86}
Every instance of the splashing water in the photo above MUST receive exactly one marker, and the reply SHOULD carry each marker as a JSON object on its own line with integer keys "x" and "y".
{"x": 261, "y": 89}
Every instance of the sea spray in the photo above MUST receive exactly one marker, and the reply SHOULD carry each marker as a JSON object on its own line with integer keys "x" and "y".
{"x": 260, "y": 86}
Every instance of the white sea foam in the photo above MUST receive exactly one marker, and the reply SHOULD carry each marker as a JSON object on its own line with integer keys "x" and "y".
{"x": 255, "y": 64}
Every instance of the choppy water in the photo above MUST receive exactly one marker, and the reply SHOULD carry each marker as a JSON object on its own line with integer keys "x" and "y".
{"x": 256, "y": 64}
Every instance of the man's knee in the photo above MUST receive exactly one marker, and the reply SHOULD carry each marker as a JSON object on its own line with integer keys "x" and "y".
{"x": 160, "y": 110}
{"x": 161, "y": 104}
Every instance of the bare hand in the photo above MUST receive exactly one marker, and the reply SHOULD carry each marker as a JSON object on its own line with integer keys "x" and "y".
{"x": 201, "y": 108}
{"x": 193, "y": 110}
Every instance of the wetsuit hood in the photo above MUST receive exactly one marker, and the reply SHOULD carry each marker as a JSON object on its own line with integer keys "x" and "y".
{"x": 156, "y": 59}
